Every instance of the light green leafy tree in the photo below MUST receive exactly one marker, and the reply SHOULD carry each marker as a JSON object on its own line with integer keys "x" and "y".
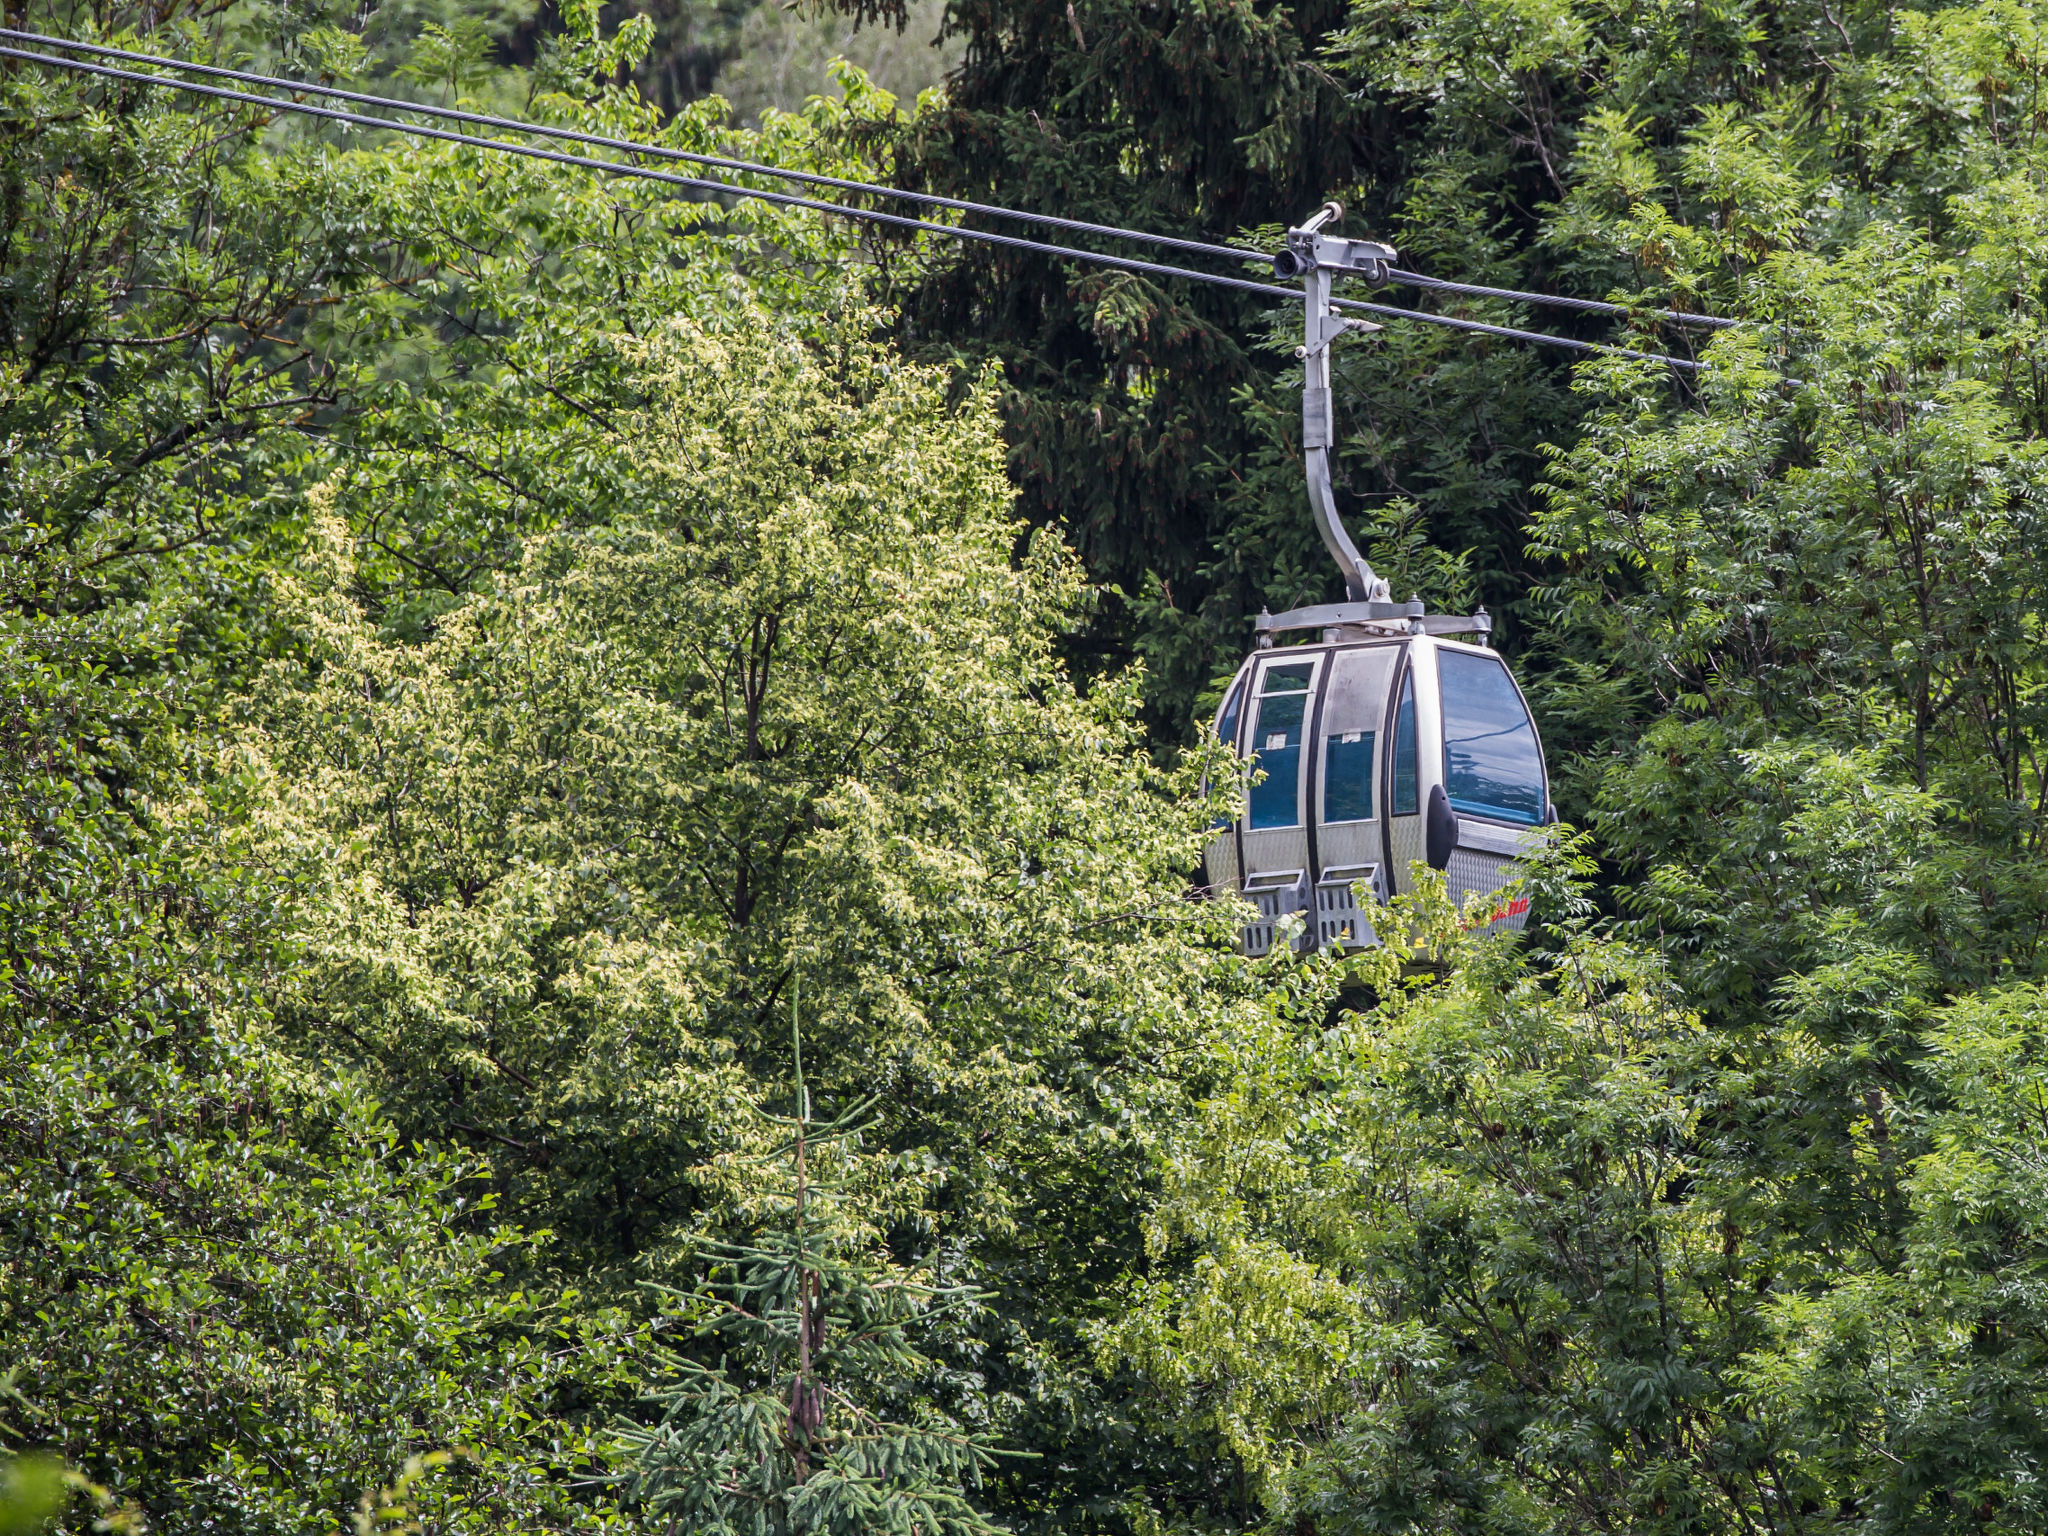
{"x": 621, "y": 613}
{"x": 229, "y": 1292}
{"x": 227, "y": 1295}
{"x": 807, "y": 698}
{"x": 1816, "y": 590}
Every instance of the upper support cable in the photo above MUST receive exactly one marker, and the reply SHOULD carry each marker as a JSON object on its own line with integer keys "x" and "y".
{"x": 734, "y": 190}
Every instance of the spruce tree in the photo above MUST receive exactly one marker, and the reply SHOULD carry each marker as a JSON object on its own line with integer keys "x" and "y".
{"x": 1120, "y": 402}
{"x": 1157, "y": 423}
{"x": 810, "y": 1422}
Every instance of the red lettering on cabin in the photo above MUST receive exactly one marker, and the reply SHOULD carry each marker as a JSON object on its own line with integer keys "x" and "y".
{"x": 1514, "y": 908}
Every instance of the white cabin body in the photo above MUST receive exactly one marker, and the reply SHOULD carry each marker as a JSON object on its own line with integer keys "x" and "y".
{"x": 1372, "y": 754}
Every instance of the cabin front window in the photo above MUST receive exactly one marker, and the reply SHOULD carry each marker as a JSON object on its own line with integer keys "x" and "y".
{"x": 1492, "y": 764}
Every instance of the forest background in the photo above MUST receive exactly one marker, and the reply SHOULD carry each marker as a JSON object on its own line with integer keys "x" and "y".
{"x": 495, "y": 659}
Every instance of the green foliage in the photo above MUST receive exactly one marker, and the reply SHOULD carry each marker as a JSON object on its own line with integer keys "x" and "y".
{"x": 33, "y": 1490}
{"x": 474, "y": 630}
{"x": 1919, "y": 1383}
{"x": 390, "y": 1508}
{"x": 788, "y": 55}
{"x": 804, "y": 702}
{"x": 1874, "y": 604}
{"x": 229, "y": 1295}
{"x": 807, "y": 705}
{"x": 257, "y": 312}
{"x": 1499, "y": 1253}
{"x": 1442, "y": 1273}
{"x": 225, "y": 1302}
{"x": 450, "y": 59}
{"x": 1793, "y": 659}
{"x": 619, "y": 625}
{"x": 814, "y": 1329}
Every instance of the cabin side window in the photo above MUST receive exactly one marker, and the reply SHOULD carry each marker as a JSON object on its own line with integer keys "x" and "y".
{"x": 1226, "y": 732}
{"x": 1277, "y": 728}
{"x": 1226, "y": 722}
{"x": 1406, "y": 797}
{"x": 1492, "y": 764}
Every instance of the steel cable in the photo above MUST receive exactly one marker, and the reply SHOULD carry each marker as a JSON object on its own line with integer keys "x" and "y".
{"x": 790, "y": 200}
{"x": 1558, "y": 300}
{"x": 638, "y": 147}
{"x": 816, "y": 179}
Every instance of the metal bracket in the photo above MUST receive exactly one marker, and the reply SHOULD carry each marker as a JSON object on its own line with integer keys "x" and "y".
{"x": 1340, "y": 326}
{"x": 1382, "y": 617}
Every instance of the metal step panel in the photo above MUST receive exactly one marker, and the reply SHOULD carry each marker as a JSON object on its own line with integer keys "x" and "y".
{"x": 1340, "y": 917}
{"x": 1275, "y": 893}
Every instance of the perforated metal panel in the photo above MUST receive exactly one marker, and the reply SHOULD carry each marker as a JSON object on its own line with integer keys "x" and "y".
{"x": 1480, "y": 865}
{"x": 1219, "y": 862}
{"x": 1276, "y": 893}
{"x": 1340, "y": 916}
{"x": 1405, "y": 833}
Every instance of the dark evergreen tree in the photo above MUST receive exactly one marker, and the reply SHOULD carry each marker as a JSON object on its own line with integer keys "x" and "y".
{"x": 1158, "y": 424}
{"x": 1123, "y": 427}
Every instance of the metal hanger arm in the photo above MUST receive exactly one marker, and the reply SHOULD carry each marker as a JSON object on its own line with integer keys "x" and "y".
{"x": 1319, "y": 257}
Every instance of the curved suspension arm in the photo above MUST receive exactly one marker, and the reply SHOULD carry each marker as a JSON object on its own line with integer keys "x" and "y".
{"x": 1318, "y": 257}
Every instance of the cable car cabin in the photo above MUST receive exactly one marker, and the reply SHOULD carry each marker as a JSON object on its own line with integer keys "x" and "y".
{"x": 1378, "y": 748}
{"x": 1390, "y": 743}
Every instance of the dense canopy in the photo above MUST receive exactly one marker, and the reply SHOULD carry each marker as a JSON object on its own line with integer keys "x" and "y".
{"x": 602, "y": 791}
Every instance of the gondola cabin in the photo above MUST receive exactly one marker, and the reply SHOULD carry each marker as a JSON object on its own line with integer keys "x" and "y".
{"x": 1368, "y": 753}
{"x": 1393, "y": 741}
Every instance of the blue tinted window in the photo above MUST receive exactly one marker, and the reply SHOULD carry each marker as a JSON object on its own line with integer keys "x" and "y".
{"x": 1407, "y": 798}
{"x": 1226, "y": 732}
{"x": 1226, "y": 723}
{"x": 1347, "y": 777}
{"x": 1492, "y": 766}
{"x": 1276, "y": 747}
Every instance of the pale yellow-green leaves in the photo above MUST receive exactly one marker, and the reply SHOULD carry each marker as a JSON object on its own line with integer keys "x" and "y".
{"x": 798, "y": 707}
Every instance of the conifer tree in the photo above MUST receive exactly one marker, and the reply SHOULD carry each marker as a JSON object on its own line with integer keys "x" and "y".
{"x": 1123, "y": 416}
{"x": 810, "y": 1422}
{"x": 1157, "y": 424}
